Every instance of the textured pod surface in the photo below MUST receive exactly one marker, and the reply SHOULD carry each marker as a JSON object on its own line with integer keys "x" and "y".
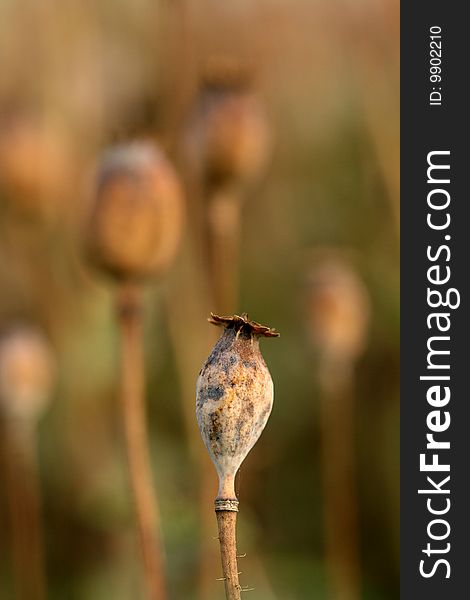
{"x": 234, "y": 397}
{"x": 136, "y": 221}
{"x": 27, "y": 373}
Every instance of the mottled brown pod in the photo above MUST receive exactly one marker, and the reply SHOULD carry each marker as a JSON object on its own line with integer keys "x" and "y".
{"x": 135, "y": 223}
{"x": 234, "y": 399}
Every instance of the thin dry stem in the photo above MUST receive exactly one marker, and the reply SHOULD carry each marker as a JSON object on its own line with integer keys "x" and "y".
{"x": 23, "y": 495}
{"x": 206, "y": 582}
{"x": 338, "y": 468}
{"x": 137, "y": 447}
{"x": 227, "y": 523}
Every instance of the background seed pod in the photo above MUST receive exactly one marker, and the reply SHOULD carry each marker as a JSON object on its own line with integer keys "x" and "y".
{"x": 27, "y": 373}
{"x": 237, "y": 137}
{"x": 136, "y": 219}
{"x": 338, "y": 308}
{"x": 35, "y": 164}
{"x": 234, "y": 131}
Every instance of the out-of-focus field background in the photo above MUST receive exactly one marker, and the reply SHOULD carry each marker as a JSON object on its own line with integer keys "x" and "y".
{"x": 76, "y": 77}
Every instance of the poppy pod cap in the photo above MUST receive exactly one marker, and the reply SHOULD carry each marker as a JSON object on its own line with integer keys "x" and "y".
{"x": 234, "y": 398}
{"x": 136, "y": 218}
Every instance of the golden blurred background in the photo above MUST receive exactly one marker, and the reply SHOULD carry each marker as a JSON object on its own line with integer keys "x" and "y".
{"x": 282, "y": 123}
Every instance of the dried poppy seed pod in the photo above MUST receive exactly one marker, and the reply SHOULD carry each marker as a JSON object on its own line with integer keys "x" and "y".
{"x": 136, "y": 220}
{"x": 234, "y": 397}
{"x": 35, "y": 164}
{"x": 234, "y": 131}
{"x": 27, "y": 373}
{"x": 338, "y": 309}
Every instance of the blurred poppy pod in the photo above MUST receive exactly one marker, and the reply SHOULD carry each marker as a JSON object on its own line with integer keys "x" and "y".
{"x": 136, "y": 219}
{"x": 235, "y": 135}
{"x": 27, "y": 373}
{"x": 35, "y": 164}
{"x": 234, "y": 399}
{"x": 337, "y": 308}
